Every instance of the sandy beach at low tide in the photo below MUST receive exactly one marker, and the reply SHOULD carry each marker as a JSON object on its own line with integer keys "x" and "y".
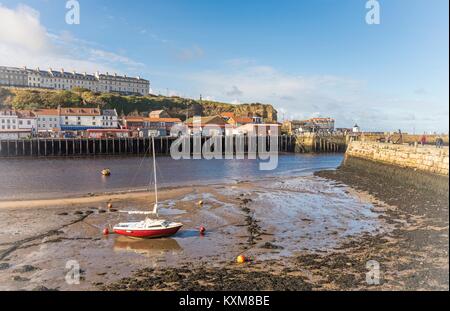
{"x": 270, "y": 221}
{"x": 313, "y": 232}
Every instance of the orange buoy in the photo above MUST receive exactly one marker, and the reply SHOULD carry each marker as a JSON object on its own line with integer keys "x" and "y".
{"x": 110, "y": 205}
{"x": 202, "y": 230}
{"x": 241, "y": 259}
{"x": 105, "y": 231}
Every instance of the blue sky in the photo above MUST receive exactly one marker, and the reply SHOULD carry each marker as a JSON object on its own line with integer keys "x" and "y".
{"x": 307, "y": 58}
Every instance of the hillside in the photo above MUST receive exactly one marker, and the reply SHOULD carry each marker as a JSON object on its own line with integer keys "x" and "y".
{"x": 126, "y": 105}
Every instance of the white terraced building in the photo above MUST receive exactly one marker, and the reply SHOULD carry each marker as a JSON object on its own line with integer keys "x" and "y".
{"x": 62, "y": 80}
{"x": 16, "y": 124}
{"x": 88, "y": 118}
{"x": 9, "y": 120}
{"x": 15, "y": 77}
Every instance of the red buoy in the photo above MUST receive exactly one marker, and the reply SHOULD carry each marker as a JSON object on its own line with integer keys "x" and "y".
{"x": 105, "y": 231}
{"x": 202, "y": 230}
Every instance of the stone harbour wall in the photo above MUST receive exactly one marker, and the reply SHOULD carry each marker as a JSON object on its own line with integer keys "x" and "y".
{"x": 428, "y": 158}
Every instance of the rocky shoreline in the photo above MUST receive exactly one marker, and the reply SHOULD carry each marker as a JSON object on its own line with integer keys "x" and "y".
{"x": 414, "y": 256}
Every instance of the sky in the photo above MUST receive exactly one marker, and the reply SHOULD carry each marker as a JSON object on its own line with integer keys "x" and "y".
{"x": 308, "y": 58}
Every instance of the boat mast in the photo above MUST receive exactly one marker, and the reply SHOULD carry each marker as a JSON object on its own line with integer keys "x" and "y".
{"x": 154, "y": 176}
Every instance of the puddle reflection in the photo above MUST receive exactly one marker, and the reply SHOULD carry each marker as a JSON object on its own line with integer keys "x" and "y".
{"x": 146, "y": 246}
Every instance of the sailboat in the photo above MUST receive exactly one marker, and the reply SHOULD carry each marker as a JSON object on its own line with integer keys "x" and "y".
{"x": 150, "y": 227}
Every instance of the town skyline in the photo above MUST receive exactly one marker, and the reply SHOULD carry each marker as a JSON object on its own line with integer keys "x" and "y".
{"x": 356, "y": 73}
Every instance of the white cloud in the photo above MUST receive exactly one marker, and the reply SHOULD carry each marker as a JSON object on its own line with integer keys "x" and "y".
{"x": 110, "y": 57}
{"x": 21, "y": 28}
{"x": 24, "y": 41}
{"x": 348, "y": 100}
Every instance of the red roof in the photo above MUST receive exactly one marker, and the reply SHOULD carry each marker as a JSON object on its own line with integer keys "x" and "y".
{"x": 243, "y": 120}
{"x": 133, "y": 119}
{"x": 46, "y": 112}
{"x": 26, "y": 114}
{"x": 174, "y": 120}
{"x": 228, "y": 114}
{"x": 80, "y": 111}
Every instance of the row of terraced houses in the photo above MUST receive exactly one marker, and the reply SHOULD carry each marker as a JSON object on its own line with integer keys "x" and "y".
{"x": 63, "y": 80}
{"x": 98, "y": 123}
{"x": 16, "y": 124}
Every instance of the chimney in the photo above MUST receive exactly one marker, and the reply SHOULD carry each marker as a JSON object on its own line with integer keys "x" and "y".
{"x": 37, "y": 69}
{"x": 25, "y": 67}
{"x": 62, "y": 70}
{"x": 74, "y": 72}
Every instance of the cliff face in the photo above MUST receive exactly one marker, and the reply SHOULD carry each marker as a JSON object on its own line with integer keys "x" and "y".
{"x": 267, "y": 112}
{"x": 175, "y": 106}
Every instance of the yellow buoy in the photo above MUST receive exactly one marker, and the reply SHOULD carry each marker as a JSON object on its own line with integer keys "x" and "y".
{"x": 106, "y": 172}
{"x": 200, "y": 202}
{"x": 241, "y": 259}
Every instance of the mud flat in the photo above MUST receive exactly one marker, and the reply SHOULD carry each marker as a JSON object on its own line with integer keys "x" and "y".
{"x": 293, "y": 230}
{"x": 413, "y": 256}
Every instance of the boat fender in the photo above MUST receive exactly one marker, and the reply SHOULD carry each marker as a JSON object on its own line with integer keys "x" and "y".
{"x": 202, "y": 230}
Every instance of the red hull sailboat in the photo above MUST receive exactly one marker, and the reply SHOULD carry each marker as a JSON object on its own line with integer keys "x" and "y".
{"x": 148, "y": 228}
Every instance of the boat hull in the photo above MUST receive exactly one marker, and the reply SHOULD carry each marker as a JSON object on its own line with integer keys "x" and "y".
{"x": 148, "y": 233}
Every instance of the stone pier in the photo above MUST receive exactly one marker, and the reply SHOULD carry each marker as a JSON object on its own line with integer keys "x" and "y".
{"x": 423, "y": 158}
{"x": 320, "y": 143}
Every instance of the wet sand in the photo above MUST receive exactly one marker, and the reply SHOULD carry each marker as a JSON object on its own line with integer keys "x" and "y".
{"x": 413, "y": 256}
{"x": 273, "y": 221}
